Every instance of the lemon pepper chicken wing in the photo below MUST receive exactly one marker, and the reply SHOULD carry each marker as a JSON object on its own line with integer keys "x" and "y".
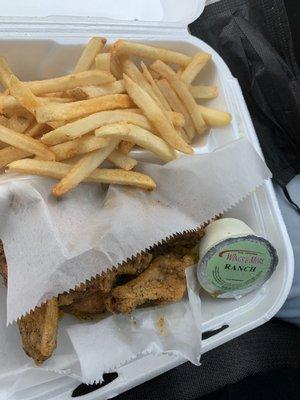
{"x": 3, "y": 265}
{"x": 163, "y": 281}
{"x": 180, "y": 245}
{"x": 38, "y": 331}
{"x": 87, "y": 307}
{"x": 90, "y": 298}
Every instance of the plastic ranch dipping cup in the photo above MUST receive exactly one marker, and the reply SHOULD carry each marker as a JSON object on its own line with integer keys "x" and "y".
{"x": 233, "y": 260}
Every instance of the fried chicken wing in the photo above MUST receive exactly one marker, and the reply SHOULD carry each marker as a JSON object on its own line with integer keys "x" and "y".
{"x": 3, "y": 265}
{"x": 180, "y": 245}
{"x": 38, "y": 331}
{"x": 90, "y": 298}
{"x": 91, "y": 303}
{"x": 163, "y": 281}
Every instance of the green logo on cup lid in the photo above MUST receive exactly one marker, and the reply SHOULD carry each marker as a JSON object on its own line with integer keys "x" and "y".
{"x": 237, "y": 265}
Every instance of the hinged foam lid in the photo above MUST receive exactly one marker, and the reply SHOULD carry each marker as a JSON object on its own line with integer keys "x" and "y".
{"x": 174, "y": 12}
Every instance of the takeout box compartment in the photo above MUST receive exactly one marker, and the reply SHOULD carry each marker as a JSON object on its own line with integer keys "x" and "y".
{"x": 46, "y": 47}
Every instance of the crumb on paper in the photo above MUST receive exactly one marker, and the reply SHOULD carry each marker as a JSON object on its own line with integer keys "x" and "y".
{"x": 161, "y": 324}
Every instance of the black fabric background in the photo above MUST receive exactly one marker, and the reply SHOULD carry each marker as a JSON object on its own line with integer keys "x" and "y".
{"x": 293, "y": 12}
{"x": 254, "y": 39}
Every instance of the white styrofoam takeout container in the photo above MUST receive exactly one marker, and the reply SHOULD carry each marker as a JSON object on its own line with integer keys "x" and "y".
{"x": 42, "y": 46}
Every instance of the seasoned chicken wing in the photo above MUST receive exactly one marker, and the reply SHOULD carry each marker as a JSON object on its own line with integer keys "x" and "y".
{"x": 38, "y": 331}
{"x": 90, "y": 304}
{"x": 3, "y": 265}
{"x": 164, "y": 280}
{"x": 90, "y": 298}
{"x": 180, "y": 245}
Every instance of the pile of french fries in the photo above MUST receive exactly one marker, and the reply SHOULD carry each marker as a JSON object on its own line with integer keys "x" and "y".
{"x": 67, "y": 127}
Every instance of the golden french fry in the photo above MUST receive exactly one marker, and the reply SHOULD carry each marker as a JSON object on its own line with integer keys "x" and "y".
{"x": 122, "y": 161}
{"x": 135, "y": 74}
{"x": 150, "y": 52}
{"x": 156, "y": 116}
{"x": 59, "y": 170}
{"x": 82, "y": 126}
{"x": 10, "y": 154}
{"x": 125, "y": 147}
{"x": 8, "y": 103}
{"x": 54, "y": 99}
{"x": 62, "y": 151}
{"x": 77, "y": 109}
{"x": 37, "y": 129}
{"x": 194, "y": 67}
{"x": 83, "y": 168}
{"x": 87, "y": 58}
{"x": 53, "y": 94}
{"x": 19, "y": 124}
{"x": 78, "y": 93}
{"x": 23, "y": 94}
{"x": 66, "y": 82}
{"x": 154, "y": 74}
{"x": 10, "y": 106}
{"x": 178, "y": 72}
{"x": 5, "y": 72}
{"x": 115, "y": 67}
{"x": 183, "y": 93}
{"x": 204, "y": 92}
{"x": 214, "y": 117}
{"x": 155, "y": 88}
{"x": 176, "y": 118}
{"x": 89, "y": 92}
{"x": 102, "y": 61}
{"x": 139, "y": 136}
{"x": 177, "y": 105}
{"x": 58, "y": 124}
{"x": 81, "y": 145}
{"x": 3, "y": 120}
{"x": 26, "y": 143}
{"x": 184, "y": 136}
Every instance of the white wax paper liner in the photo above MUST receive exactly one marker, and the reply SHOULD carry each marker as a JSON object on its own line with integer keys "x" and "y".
{"x": 52, "y": 244}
